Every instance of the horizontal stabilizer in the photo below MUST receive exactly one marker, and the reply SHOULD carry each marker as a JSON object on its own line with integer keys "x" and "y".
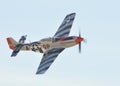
{"x": 16, "y": 50}
{"x": 15, "y": 46}
{"x": 22, "y": 39}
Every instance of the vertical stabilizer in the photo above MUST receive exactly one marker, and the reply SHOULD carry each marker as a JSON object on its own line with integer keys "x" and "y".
{"x": 11, "y": 42}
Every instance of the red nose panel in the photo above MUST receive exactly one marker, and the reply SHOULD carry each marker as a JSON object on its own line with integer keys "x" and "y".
{"x": 78, "y": 40}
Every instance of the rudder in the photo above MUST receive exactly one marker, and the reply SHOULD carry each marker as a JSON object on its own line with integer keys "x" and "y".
{"x": 11, "y": 42}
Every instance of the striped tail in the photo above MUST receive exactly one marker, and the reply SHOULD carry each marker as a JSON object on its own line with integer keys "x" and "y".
{"x": 12, "y": 43}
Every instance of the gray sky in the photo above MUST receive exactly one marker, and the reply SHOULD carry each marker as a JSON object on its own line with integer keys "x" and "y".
{"x": 97, "y": 65}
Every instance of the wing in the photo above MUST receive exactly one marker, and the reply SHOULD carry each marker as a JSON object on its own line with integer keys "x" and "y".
{"x": 66, "y": 25}
{"x": 48, "y": 59}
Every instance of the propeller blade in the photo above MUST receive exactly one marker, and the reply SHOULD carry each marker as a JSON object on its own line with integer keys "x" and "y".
{"x": 79, "y": 33}
{"x": 79, "y": 47}
{"x": 80, "y": 42}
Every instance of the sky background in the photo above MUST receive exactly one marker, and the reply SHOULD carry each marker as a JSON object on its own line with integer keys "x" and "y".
{"x": 97, "y": 65}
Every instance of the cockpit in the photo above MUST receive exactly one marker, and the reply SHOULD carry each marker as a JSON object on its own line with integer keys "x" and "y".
{"x": 64, "y": 38}
{"x": 46, "y": 39}
{"x": 52, "y": 39}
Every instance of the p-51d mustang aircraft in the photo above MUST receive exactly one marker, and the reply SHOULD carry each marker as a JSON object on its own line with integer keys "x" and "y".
{"x": 50, "y": 47}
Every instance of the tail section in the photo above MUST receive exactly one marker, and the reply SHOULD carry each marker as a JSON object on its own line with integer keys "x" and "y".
{"x": 12, "y": 43}
{"x": 16, "y": 46}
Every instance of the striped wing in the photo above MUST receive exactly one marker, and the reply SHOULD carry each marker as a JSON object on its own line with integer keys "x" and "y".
{"x": 66, "y": 25}
{"x": 48, "y": 59}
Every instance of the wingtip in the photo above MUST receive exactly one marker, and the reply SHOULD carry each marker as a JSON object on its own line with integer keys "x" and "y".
{"x": 39, "y": 73}
{"x": 12, "y": 56}
{"x": 72, "y": 13}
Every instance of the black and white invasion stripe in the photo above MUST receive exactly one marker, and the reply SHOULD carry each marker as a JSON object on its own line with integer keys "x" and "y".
{"x": 48, "y": 59}
{"x": 16, "y": 50}
{"x": 66, "y": 25}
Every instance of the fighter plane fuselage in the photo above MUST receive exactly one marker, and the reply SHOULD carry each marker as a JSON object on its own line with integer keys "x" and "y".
{"x": 50, "y": 47}
{"x": 49, "y": 43}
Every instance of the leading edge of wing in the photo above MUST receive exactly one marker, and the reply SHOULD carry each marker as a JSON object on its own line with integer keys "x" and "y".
{"x": 66, "y": 25}
{"x": 48, "y": 59}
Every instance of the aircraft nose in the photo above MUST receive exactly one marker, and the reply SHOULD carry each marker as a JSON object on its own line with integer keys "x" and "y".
{"x": 78, "y": 40}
